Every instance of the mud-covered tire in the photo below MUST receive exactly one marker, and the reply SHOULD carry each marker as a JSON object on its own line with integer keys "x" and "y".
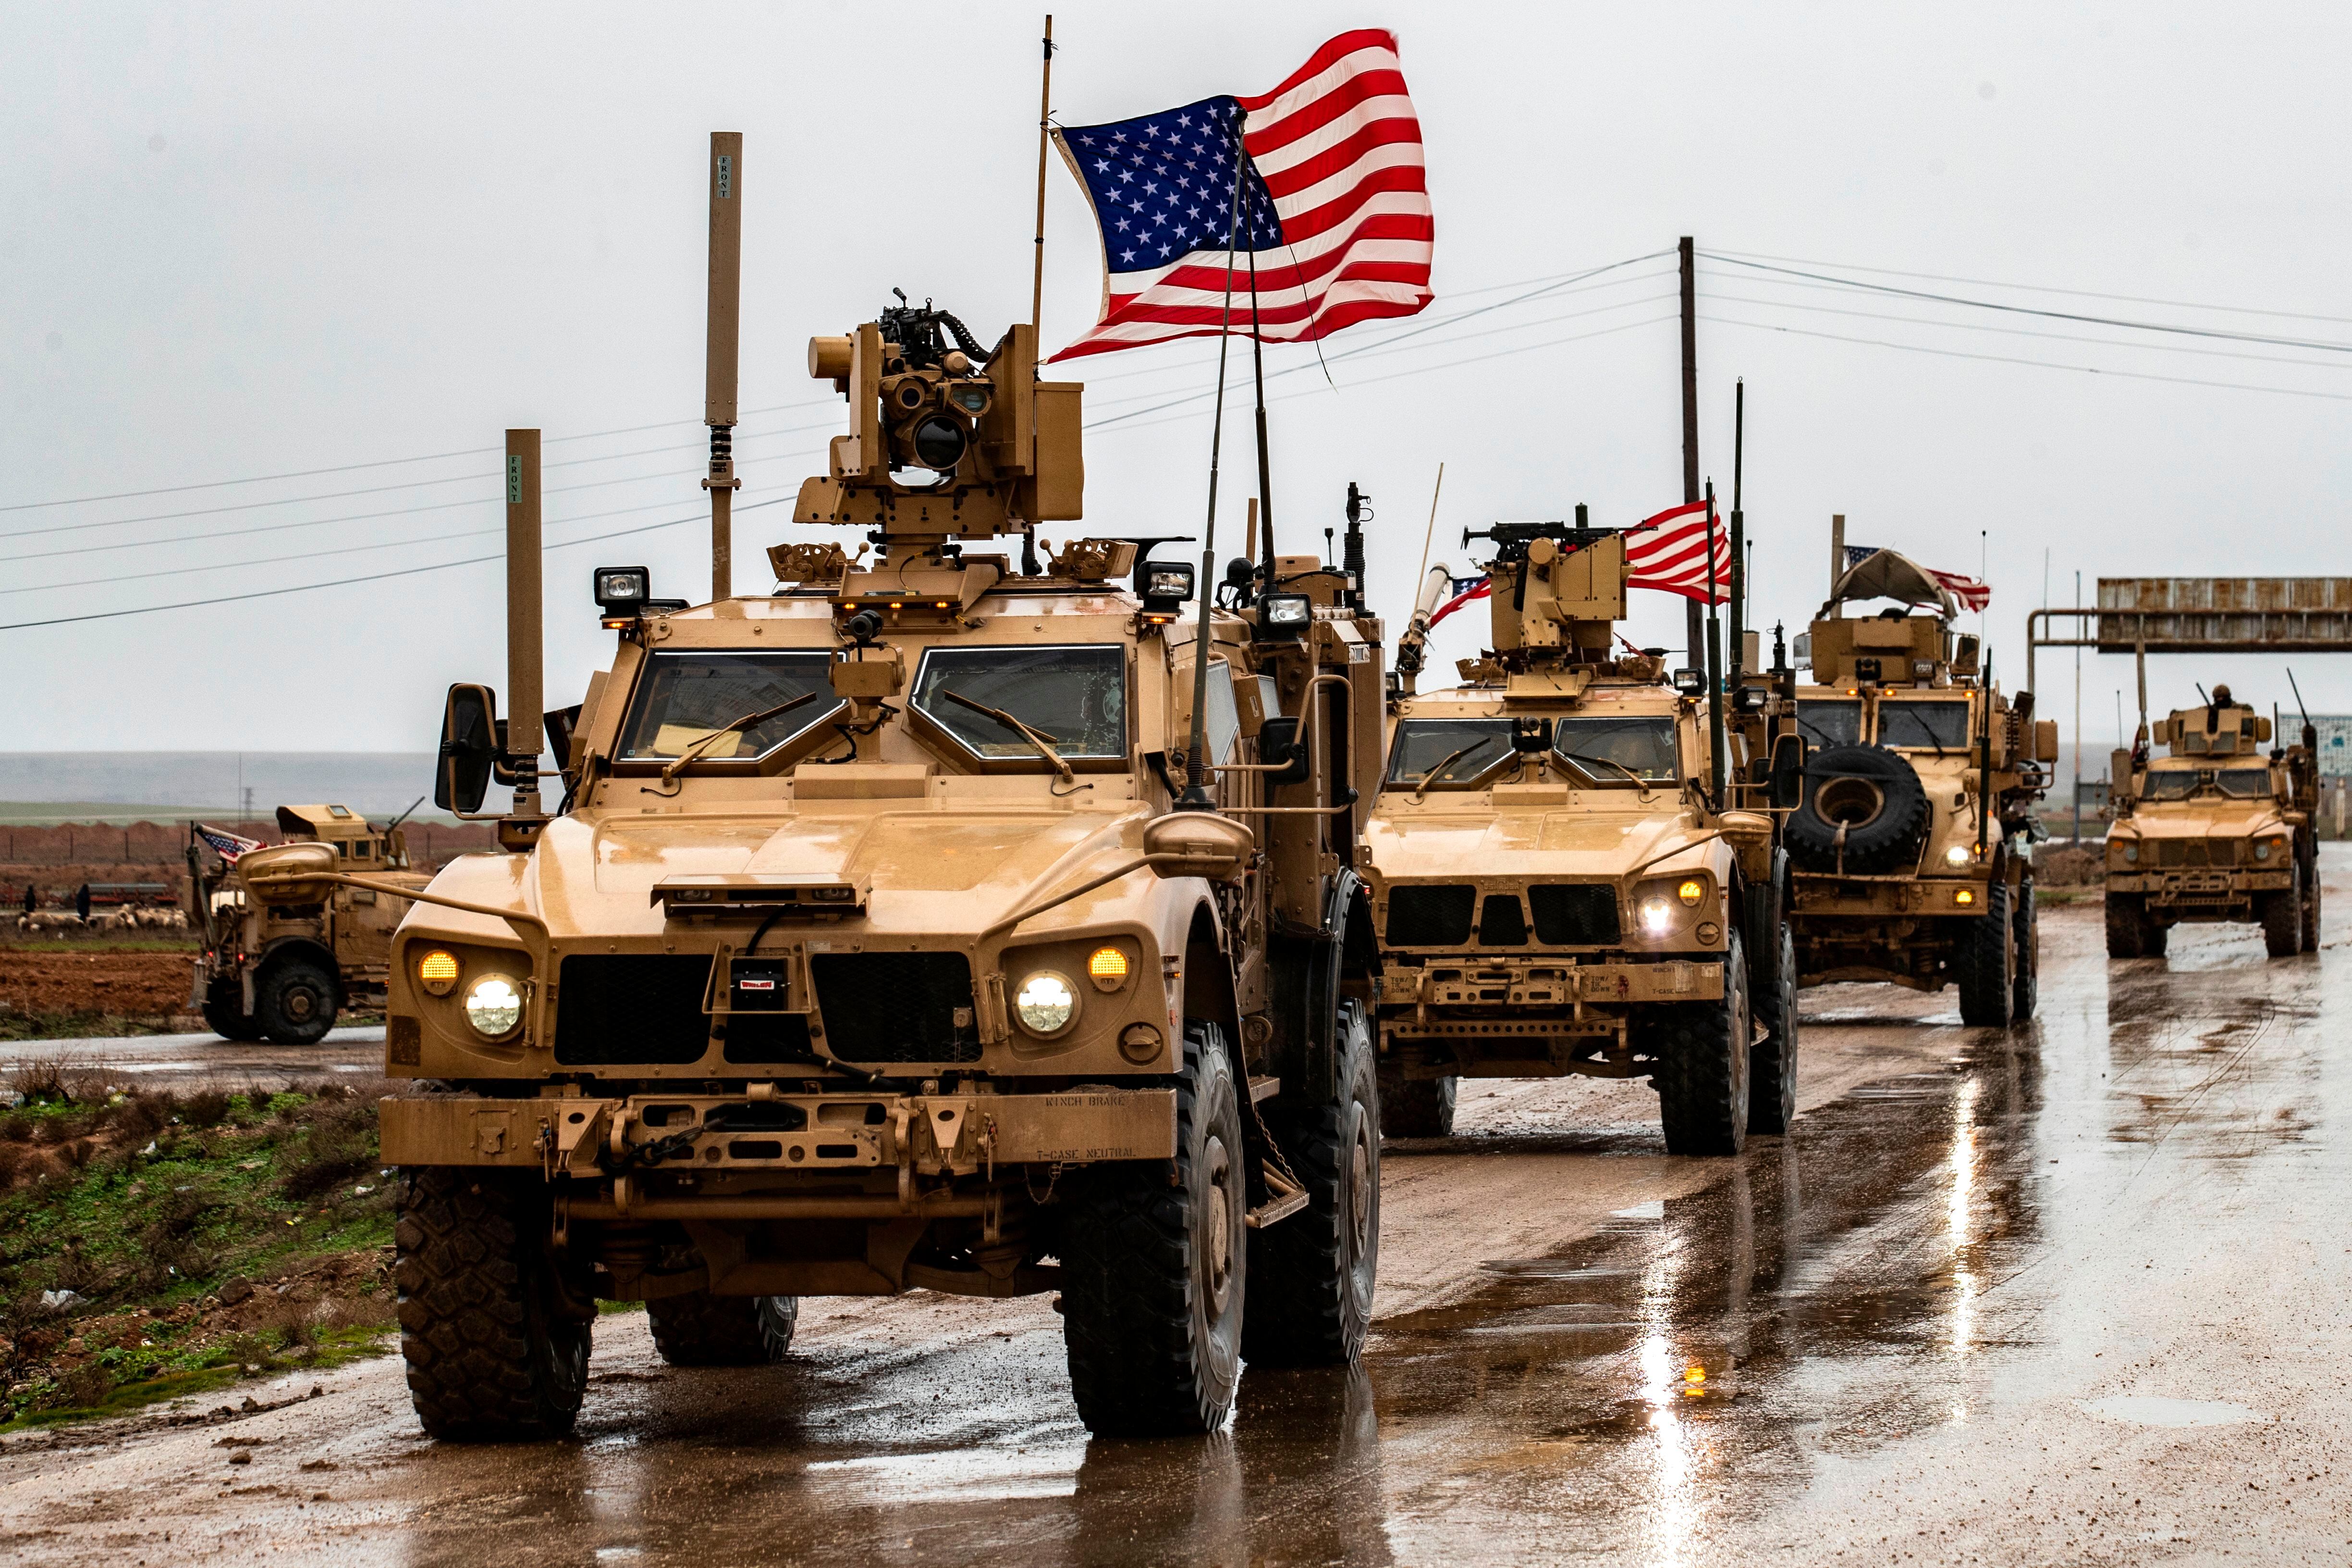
{"x": 1417, "y": 1107}
{"x": 295, "y": 1001}
{"x": 2125, "y": 922}
{"x": 1155, "y": 1263}
{"x": 1311, "y": 1275}
{"x": 1982, "y": 963}
{"x": 2311, "y": 909}
{"x": 1876, "y": 796}
{"x": 1773, "y": 1061}
{"x": 2025, "y": 985}
{"x": 496, "y": 1350}
{"x": 2153, "y": 934}
{"x": 224, "y": 1015}
{"x": 699, "y": 1328}
{"x": 2282, "y": 917}
{"x": 1701, "y": 1065}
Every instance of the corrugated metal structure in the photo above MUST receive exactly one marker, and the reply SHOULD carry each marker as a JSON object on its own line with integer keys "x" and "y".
{"x": 2225, "y": 615}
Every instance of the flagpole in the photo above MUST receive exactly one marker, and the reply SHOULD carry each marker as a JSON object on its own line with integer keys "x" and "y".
{"x": 1196, "y": 795}
{"x": 1739, "y": 649}
{"x": 1715, "y": 737}
{"x": 1431, "y": 532}
{"x": 1265, "y": 464}
{"x": 1044, "y": 118}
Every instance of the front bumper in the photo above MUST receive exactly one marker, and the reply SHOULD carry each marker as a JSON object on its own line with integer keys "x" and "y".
{"x": 1955, "y": 898}
{"x": 2199, "y": 887}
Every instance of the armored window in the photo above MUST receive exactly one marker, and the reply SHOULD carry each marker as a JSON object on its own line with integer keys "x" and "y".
{"x": 1942, "y": 725}
{"x": 1830, "y": 724}
{"x": 2245, "y": 784}
{"x": 1074, "y": 698}
{"x": 1447, "y": 752}
{"x": 682, "y": 698}
{"x": 2171, "y": 784}
{"x": 1619, "y": 750}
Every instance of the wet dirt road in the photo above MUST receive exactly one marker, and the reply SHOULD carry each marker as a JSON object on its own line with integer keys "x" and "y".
{"x": 2073, "y": 1293}
{"x": 182, "y": 1060}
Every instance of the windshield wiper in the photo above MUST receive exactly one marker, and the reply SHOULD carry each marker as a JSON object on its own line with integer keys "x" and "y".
{"x": 1431, "y": 776}
{"x": 1037, "y": 738}
{"x": 670, "y": 770}
{"x": 1640, "y": 783}
{"x": 1917, "y": 723}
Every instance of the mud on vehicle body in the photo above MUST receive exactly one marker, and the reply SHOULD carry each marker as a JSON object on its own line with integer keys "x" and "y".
{"x": 2213, "y": 832}
{"x": 1911, "y": 849}
{"x": 281, "y": 969}
{"x": 1568, "y": 876}
{"x": 894, "y": 932}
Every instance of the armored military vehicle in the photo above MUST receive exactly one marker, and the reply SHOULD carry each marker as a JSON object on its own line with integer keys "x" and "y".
{"x": 282, "y": 969}
{"x": 1573, "y": 864}
{"x": 942, "y": 920}
{"x": 1911, "y": 852}
{"x": 2213, "y": 831}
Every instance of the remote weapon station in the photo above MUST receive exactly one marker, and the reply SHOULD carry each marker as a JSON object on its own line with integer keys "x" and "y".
{"x": 950, "y": 918}
{"x": 1573, "y": 864}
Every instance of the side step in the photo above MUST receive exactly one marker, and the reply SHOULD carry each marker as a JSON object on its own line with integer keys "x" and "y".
{"x": 1289, "y": 1198}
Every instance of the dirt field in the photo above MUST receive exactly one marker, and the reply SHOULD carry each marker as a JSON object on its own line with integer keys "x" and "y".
{"x": 68, "y": 978}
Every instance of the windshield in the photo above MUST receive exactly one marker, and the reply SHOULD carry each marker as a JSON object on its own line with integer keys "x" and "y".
{"x": 1075, "y": 698}
{"x": 2172, "y": 784}
{"x": 685, "y": 696}
{"x": 1830, "y": 724}
{"x": 1422, "y": 744}
{"x": 1939, "y": 724}
{"x": 1643, "y": 747}
{"x": 2245, "y": 784}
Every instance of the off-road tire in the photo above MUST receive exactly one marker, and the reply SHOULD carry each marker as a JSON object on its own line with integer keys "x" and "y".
{"x": 2311, "y": 909}
{"x": 496, "y": 1350}
{"x": 224, "y": 1015}
{"x": 2025, "y": 985}
{"x": 2153, "y": 934}
{"x": 1153, "y": 1330}
{"x": 295, "y": 1002}
{"x": 1982, "y": 963}
{"x": 1701, "y": 1070}
{"x": 2126, "y": 919}
{"x": 1773, "y": 1061}
{"x": 2282, "y": 917}
{"x": 699, "y": 1328}
{"x": 1416, "y": 1107}
{"x": 1312, "y": 1275}
{"x": 1886, "y": 840}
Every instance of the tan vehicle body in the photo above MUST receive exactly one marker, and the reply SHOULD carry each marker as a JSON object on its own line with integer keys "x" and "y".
{"x": 282, "y": 971}
{"x": 1509, "y": 889}
{"x": 1911, "y": 855}
{"x": 2213, "y": 832}
{"x": 782, "y": 1000}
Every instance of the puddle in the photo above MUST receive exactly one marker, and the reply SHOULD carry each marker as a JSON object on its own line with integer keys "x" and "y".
{"x": 2156, "y": 1410}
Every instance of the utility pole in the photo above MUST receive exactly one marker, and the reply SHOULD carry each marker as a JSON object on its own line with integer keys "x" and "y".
{"x": 2078, "y": 713}
{"x": 524, "y": 686}
{"x": 1694, "y": 625}
{"x": 719, "y": 356}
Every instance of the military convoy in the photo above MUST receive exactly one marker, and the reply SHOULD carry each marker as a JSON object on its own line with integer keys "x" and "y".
{"x": 2213, "y": 831}
{"x": 1573, "y": 867}
{"x": 281, "y": 969}
{"x": 1911, "y": 849}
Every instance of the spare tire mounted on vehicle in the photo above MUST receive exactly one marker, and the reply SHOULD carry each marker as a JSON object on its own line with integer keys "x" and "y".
{"x": 1863, "y": 812}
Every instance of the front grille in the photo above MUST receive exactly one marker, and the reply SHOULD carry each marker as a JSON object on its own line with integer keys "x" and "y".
{"x": 1501, "y": 922}
{"x": 632, "y": 1007}
{"x": 1430, "y": 916}
{"x": 897, "y": 1006}
{"x": 754, "y": 1037}
{"x": 2195, "y": 852}
{"x": 1574, "y": 914}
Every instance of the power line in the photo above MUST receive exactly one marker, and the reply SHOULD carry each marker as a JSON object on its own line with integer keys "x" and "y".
{"x": 372, "y": 577}
{"x": 2317, "y": 344}
{"x": 378, "y": 463}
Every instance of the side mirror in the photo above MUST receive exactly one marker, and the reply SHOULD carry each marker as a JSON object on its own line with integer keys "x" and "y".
{"x": 1787, "y": 773}
{"x": 2119, "y": 772}
{"x": 469, "y": 745}
{"x": 561, "y": 726}
{"x": 1278, "y": 741}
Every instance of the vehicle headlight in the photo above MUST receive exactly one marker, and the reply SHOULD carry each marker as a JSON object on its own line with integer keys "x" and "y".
{"x": 2261, "y": 849}
{"x": 2131, "y": 854}
{"x": 494, "y": 1006}
{"x": 1691, "y": 892}
{"x": 1657, "y": 915}
{"x": 1045, "y": 1002}
{"x": 1957, "y": 855}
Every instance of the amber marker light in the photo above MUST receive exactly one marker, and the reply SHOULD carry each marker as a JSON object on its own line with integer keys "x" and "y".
{"x": 438, "y": 972}
{"x": 1106, "y": 967}
{"x": 1691, "y": 892}
{"x": 1965, "y": 896}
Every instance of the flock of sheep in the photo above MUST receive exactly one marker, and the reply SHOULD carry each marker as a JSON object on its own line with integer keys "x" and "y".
{"x": 130, "y": 918}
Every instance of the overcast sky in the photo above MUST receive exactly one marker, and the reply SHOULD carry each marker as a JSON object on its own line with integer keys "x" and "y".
{"x": 245, "y": 240}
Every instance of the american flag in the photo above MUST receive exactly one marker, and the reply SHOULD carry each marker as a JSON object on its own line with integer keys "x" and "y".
{"x": 1334, "y": 206}
{"x": 1971, "y": 592}
{"x": 226, "y": 845}
{"x": 1669, "y": 552}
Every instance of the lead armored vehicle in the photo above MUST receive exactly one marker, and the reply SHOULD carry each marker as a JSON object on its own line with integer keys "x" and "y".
{"x": 1572, "y": 866}
{"x": 2214, "y": 831}
{"x": 1911, "y": 853}
{"x": 947, "y": 919}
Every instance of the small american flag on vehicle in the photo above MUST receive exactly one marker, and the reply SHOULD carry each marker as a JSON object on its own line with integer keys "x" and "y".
{"x": 226, "y": 845}
{"x": 1971, "y": 593}
{"x": 1334, "y": 206}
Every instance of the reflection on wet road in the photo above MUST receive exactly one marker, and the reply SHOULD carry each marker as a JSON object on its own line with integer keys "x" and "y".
{"x": 2073, "y": 1292}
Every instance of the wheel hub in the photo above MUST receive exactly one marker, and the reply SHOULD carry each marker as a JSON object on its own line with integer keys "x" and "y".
{"x": 1217, "y": 1246}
